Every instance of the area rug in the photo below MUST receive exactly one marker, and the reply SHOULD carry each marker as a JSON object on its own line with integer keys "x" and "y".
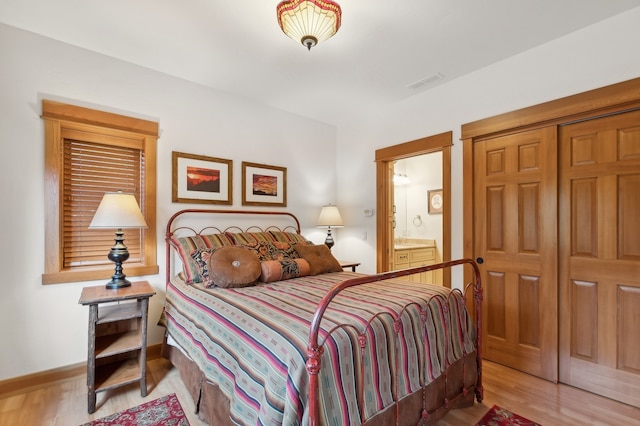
{"x": 498, "y": 416}
{"x": 165, "y": 411}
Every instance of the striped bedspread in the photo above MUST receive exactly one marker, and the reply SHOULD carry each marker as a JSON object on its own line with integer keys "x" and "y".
{"x": 252, "y": 343}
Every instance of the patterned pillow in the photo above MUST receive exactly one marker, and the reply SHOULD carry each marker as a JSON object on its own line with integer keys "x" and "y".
{"x": 201, "y": 259}
{"x": 278, "y": 270}
{"x": 253, "y": 238}
{"x": 184, "y": 246}
{"x": 249, "y": 238}
{"x": 320, "y": 259}
{"x": 288, "y": 237}
{"x": 274, "y": 250}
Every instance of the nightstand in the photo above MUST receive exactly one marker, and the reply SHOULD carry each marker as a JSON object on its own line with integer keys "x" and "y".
{"x": 349, "y": 264}
{"x": 117, "y": 353}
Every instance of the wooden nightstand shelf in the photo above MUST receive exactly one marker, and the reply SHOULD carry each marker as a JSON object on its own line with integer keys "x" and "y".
{"x": 117, "y": 347}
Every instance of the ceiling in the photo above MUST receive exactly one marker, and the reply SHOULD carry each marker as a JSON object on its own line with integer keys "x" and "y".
{"x": 382, "y": 48}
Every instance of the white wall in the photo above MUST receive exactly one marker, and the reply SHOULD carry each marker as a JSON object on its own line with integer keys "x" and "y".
{"x": 43, "y": 326}
{"x": 593, "y": 57}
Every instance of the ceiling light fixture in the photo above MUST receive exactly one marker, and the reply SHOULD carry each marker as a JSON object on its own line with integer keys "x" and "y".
{"x": 309, "y": 21}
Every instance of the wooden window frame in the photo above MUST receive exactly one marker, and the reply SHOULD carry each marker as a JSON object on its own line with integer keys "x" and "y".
{"x": 60, "y": 118}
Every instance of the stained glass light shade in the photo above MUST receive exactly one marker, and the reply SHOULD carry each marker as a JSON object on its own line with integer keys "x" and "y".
{"x": 309, "y": 21}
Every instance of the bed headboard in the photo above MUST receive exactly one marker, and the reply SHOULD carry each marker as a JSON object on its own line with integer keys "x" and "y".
{"x": 190, "y": 222}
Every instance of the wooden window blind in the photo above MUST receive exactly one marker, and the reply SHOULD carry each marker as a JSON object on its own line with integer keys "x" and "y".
{"x": 90, "y": 170}
{"x": 88, "y": 153}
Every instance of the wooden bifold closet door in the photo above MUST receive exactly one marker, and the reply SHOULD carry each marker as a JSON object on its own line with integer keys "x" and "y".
{"x": 555, "y": 196}
{"x": 557, "y": 219}
{"x": 515, "y": 193}
{"x": 600, "y": 256}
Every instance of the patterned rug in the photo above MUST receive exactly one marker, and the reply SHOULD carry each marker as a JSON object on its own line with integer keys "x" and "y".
{"x": 500, "y": 417}
{"x": 165, "y": 411}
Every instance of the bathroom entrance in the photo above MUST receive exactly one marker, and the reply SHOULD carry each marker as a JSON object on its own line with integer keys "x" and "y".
{"x": 417, "y": 214}
{"x": 416, "y": 227}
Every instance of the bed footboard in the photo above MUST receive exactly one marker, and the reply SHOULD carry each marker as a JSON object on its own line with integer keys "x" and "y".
{"x": 430, "y": 405}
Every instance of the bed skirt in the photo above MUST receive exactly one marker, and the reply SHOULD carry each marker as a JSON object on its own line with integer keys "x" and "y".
{"x": 454, "y": 389}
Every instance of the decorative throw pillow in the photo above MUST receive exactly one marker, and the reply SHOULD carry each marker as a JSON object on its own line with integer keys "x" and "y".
{"x": 285, "y": 250}
{"x": 290, "y": 237}
{"x": 200, "y": 258}
{"x": 320, "y": 259}
{"x": 278, "y": 270}
{"x": 233, "y": 266}
{"x": 185, "y": 246}
{"x": 266, "y": 250}
{"x": 249, "y": 238}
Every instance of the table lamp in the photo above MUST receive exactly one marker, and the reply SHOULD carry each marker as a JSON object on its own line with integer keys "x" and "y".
{"x": 118, "y": 210}
{"x": 330, "y": 217}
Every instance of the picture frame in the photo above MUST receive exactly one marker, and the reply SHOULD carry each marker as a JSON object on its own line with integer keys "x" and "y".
{"x": 264, "y": 185}
{"x": 434, "y": 201}
{"x": 201, "y": 179}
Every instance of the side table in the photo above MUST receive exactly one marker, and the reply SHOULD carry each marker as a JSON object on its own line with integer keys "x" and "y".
{"x": 117, "y": 346}
{"x": 349, "y": 264}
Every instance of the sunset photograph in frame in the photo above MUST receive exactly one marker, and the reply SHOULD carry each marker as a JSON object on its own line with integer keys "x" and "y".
{"x": 263, "y": 185}
{"x": 201, "y": 179}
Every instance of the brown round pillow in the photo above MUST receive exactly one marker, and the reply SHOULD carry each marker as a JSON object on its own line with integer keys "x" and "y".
{"x": 233, "y": 266}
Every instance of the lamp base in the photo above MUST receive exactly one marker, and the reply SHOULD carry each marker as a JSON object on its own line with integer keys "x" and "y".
{"x": 118, "y": 254}
{"x": 119, "y": 283}
{"x": 329, "y": 242}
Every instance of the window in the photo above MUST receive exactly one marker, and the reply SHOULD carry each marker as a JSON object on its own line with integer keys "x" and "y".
{"x": 88, "y": 153}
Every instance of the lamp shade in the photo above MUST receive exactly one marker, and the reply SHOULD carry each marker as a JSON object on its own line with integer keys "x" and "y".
{"x": 309, "y": 21}
{"x": 118, "y": 210}
{"x": 330, "y": 216}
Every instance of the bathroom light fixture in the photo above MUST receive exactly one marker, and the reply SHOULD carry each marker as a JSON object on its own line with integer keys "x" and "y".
{"x": 309, "y": 21}
{"x": 401, "y": 179}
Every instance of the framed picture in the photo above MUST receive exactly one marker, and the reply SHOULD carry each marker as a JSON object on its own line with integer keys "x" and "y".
{"x": 434, "y": 201}
{"x": 263, "y": 185}
{"x": 200, "y": 179}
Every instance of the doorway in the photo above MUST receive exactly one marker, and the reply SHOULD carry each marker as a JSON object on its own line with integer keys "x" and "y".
{"x": 386, "y": 158}
{"x": 418, "y": 214}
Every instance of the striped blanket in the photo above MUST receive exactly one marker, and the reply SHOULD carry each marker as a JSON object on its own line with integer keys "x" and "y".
{"x": 252, "y": 343}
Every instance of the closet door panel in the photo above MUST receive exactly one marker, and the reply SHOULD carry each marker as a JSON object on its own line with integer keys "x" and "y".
{"x": 516, "y": 234}
{"x": 600, "y": 256}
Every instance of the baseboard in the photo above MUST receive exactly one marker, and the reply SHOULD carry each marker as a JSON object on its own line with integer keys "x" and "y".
{"x": 23, "y": 384}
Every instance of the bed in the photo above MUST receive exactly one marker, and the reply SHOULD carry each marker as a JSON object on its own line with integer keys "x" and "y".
{"x": 266, "y": 328}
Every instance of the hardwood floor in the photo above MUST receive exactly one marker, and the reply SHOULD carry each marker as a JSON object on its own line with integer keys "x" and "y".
{"x": 65, "y": 403}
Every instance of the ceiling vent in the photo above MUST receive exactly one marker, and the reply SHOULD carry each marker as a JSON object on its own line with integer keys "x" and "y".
{"x": 425, "y": 81}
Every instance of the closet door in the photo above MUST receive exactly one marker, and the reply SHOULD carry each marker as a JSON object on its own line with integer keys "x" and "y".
{"x": 600, "y": 251}
{"x": 515, "y": 226}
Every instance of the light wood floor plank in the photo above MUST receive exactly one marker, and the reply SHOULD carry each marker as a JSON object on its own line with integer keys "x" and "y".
{"x": 65, "y": 403}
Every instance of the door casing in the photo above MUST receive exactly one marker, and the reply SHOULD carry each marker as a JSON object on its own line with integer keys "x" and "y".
{"x": 384, "y": 188}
